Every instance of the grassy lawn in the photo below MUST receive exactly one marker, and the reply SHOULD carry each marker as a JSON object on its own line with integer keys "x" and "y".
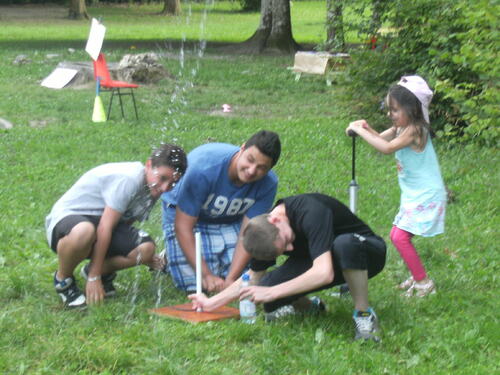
{"x": 199, "y": 20}
{"x": 54, "y": 141}
{"x": 143, "y": 23}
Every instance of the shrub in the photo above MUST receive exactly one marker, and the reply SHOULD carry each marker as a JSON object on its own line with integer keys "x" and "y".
{"x": 454, "y": 45}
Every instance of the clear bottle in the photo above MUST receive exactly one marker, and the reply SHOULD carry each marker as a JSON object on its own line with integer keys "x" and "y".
{"x": 248, "y": 312}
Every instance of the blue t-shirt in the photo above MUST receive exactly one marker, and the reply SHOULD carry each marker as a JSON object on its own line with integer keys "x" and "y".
{"x": 206, "y": 191}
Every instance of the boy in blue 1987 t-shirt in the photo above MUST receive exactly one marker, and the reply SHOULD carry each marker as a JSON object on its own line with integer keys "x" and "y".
{"x": 223, "y": 188}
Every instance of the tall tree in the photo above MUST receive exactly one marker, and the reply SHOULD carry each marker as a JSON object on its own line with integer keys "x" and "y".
{"x": 335, "y": 40}
{"x": 274, "y": 33}
{"x": 171, "y": 7}
{"x": 78, "y": 9}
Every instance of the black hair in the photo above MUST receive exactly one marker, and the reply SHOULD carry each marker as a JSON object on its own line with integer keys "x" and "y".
{"x": 169, "y": 155}
{"x": 268, "y": 143}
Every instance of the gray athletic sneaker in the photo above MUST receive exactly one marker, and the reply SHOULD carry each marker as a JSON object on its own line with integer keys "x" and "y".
{"x": 366, "y": 325}
{"x": 70, "y": 293}
{"x": 107, "y": 281}
{"x": 279, "y": 313}
{"x": 317, "y": 306}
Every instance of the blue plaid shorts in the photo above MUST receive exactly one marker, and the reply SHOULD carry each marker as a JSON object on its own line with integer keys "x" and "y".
{"x": 218, "y": 245}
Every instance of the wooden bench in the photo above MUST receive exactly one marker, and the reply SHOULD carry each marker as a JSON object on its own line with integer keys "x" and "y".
{"x": 321, "y": 63}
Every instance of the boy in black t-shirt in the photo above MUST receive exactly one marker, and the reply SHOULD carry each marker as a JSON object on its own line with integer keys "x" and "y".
{"x": 326, "y": 245}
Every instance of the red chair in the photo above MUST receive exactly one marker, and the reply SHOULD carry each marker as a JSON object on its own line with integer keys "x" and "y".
{"x": 108, "y": 84}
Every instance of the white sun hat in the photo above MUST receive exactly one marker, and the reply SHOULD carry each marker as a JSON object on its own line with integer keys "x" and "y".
{"x": 421, "y": 90}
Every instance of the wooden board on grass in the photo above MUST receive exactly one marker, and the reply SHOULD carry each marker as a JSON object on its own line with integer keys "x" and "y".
{"x": 186, "y": 312}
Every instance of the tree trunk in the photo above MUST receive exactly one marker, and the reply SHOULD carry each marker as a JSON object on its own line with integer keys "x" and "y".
{"x": 78, "y": 10}
{"x": 274, "y": 33}
{"x": 335, "y": 40}
{"x": 171, "y": 7}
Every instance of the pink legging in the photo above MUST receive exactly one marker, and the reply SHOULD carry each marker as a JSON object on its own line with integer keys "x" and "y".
{"x": 402, "y": 241}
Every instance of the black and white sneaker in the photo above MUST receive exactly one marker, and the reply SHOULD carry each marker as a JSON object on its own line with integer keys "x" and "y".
{"x": 279, "y": 313}
{"x": 317, "y": 305}
{"x": 107, "y": 281}
{"x": 70, "y": 293}
{"x": 366, "y": 325}
{"x": 342, "y": 291}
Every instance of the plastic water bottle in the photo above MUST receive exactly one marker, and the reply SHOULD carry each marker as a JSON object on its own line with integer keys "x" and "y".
{"x": 248, "y": 312}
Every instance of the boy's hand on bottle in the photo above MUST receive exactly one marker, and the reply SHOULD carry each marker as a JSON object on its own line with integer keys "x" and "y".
{"x": 257, "y": 294}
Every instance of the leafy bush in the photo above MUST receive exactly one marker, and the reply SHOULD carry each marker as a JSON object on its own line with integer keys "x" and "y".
{"x": 454, "y": 45}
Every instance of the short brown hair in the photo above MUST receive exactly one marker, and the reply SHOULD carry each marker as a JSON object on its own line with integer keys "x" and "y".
{"x": 259, "y": 237}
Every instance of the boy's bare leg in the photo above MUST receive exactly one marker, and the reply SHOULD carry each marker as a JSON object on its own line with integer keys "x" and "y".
{"x": 358, "y": 286}
{"x": 74, "y": 248}
{"x": 142, "y": 254}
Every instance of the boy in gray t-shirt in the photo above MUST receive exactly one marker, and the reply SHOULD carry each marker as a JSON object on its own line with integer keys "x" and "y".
{"x": 93, "y": 220}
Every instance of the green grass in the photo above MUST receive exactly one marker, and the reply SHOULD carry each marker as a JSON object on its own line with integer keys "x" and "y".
{"x": 199, "y": 20}
{"x": 454, "y": 332}
{"x": 144, "y": 23}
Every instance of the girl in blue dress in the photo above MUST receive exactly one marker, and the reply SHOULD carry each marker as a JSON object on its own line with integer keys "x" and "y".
{"x": 423, "y": 195}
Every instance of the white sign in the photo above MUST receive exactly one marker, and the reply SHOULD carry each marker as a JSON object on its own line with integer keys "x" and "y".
{"x": 59, "y": 78}
{"x": 96, "y": 37}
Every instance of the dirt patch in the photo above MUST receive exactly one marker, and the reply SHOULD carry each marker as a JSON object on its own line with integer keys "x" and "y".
{"x": 32, "y": 12}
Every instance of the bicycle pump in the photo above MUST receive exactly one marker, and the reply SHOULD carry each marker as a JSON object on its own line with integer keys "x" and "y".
{"x": 353, "y": 186}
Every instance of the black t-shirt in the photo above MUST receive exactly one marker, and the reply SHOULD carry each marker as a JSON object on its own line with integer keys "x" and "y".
{"x": 316, "y": 219}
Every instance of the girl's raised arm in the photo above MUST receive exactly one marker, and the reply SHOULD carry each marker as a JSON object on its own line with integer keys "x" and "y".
{"x": 389, "y": 134}
{"x": 406, "y": 138}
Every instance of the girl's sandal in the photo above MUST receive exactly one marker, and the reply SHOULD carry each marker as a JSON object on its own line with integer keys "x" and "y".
{"x": 407, "y": 284}
{"x": 421, "y": 290}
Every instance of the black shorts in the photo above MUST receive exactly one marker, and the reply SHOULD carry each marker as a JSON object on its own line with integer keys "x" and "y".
{"x": 350, "y": 251}
{"x": 124, "y": 239}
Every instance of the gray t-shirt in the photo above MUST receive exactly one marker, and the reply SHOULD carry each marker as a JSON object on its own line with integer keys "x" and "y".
{"x": 121, "y": 186}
